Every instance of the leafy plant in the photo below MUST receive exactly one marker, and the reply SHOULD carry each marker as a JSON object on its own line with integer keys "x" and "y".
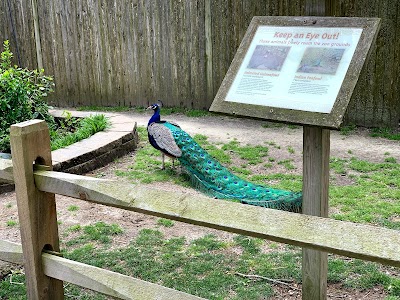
{"x": 385, "y": 133}
{"x": 21, "y": 96}
{"x": 11, "y": 223}
{"x": 74, "y": 130}
{"x": 165, "y": 222}
{"x": 73, "y": 208}
{"x": 348, "y": 129}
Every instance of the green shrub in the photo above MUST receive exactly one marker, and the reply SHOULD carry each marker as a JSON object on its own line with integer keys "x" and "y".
{"x": 21, "y": 96}
{"x": 72, "y": 130}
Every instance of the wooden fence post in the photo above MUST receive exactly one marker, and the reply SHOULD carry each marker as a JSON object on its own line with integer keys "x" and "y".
{"x": 316, "y": 148}
{"x": 30, "y": 142}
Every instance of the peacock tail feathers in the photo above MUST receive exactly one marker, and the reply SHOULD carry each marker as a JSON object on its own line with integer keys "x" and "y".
{"x": 215, "y": 180}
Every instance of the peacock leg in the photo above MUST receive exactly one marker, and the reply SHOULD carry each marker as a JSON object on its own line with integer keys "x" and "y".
{"x": 163, "y": 159}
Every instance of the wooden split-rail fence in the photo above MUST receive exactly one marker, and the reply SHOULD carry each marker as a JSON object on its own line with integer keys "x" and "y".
{"x": 36, "y": 184}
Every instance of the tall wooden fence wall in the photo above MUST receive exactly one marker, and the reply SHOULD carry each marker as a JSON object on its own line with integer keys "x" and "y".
{"x": 131, "y": 52}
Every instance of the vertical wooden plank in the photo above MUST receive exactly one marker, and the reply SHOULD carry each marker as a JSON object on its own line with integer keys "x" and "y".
{"x": 155, "y": 49}
{"x": 316, "y": 148}
{"x": 106, "y": 52}
{"x": 4, "y": 22}
{"x": 209, "y": 48}
{"x": 45, "y": 18}
{"x": 93, "y": 55}
{"x": 314, "y": 8}
{"x": 18, "y": 24}
{"x": 37, "y": 35}
{"x": 133, "y": 91}
{"x": 82, "y": 35}
{"x": 36, "y": 210}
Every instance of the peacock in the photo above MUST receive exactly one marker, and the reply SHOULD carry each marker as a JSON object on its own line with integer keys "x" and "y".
{"x": 207, "y": 174}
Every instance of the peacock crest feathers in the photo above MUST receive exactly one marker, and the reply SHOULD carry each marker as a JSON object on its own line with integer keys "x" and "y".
{"x": 212, "y": 178}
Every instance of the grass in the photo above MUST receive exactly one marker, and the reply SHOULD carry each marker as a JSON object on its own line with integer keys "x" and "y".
{"x": 348, "y": 129}
{"x": 377, "y": 184}
{"x": 146, "y": 167}
{"x": 374, "y": 196}
{"x": 11, "y": 223}
{"x": 194, "y": 113}
{"x": 73, "y": 208}
{"x": 165, "y": 222}
{"x": 287, "y": 163}
{"x": 84, "y": 129}
{"x": 386, "y": 133}
{"x": 371, "y": 196}
{"x": 210, "y": 267}
{"x": 99, "y": 232}
{"x": 252, "y": 154}
{"x": 206, "y": 266}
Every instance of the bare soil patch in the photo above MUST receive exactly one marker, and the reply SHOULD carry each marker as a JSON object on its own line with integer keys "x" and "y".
{"x": 219, "y": 129}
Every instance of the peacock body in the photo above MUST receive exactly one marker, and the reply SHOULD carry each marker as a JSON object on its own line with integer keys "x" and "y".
{"x": 208, "y": 174}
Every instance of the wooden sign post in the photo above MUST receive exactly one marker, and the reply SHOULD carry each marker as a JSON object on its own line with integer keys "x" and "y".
{"x": 316, "y": 145}
{"x": 300, "y": 70}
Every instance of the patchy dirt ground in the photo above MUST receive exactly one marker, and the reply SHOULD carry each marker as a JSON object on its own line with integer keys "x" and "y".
{"x": 219, "y": 129}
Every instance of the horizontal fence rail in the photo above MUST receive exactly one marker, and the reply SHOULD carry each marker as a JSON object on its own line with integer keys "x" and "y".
{"x": 343, "y": 238}
{"x": 94, "y": 278}
{"x": 130, "y": 52}
{"x": 36, "y": 185}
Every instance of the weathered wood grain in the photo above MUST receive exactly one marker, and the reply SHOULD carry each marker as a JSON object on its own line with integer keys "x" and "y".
{"x": 343, "y": 238}
{"x": 38, "y": 44}
{"x": 132, "y": 52}
{"x": 108, "y": 282}
{"x": 316, "y": 149}
{"x": 11, "y": 252}
{"x": 6, "y": 171}
{"x": 99, "y": 280}
{"x": 36, "y": 210}
{"x": 16, "y": 23}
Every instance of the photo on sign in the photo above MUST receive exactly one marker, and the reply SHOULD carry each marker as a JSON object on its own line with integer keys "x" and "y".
{"x": 320, "y": 60}
{"x": 268, "y": 57}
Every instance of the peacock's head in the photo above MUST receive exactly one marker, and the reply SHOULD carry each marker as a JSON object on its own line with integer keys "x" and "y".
{"x": 155, "y": 106}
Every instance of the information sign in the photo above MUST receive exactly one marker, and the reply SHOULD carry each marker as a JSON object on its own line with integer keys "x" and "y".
{"x": 297, "y": 69}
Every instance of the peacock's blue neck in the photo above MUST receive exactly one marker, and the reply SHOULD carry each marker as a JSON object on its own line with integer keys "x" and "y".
{"x": 155, "y": 117}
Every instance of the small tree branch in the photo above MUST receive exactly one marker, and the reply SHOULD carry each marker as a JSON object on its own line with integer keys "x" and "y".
{"x": 253, "y": 276}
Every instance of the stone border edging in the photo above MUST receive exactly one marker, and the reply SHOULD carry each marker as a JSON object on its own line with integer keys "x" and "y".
{"x": 96, "y": 151}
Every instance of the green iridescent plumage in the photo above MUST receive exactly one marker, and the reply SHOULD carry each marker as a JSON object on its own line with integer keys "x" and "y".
{"x": 208, "y": 175}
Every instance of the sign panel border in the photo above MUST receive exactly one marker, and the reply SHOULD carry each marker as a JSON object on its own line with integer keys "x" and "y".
{"x": 334, "y": 118}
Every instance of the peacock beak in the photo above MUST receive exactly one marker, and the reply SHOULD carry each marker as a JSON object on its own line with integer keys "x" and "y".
{"x": 150, "y": 107}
